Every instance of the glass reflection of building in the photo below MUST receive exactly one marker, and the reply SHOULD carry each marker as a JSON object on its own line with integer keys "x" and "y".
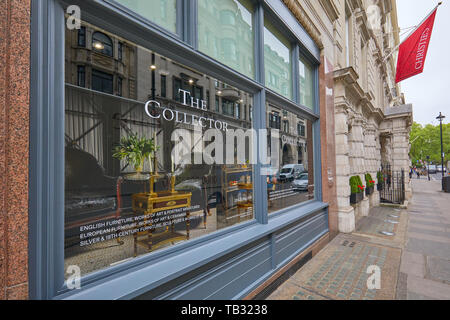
{"x": 226, "y": 33}
{"x": 102, "y": 65}
{"x": 277, "y": 61}
{"x": 293, "y": 135}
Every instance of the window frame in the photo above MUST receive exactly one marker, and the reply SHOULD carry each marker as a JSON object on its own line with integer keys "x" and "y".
{"x": 102, "y": 51}
{"x": 81, "y": 76}
{"x": 81, "y": 38}
{"x": 46, "y": 279}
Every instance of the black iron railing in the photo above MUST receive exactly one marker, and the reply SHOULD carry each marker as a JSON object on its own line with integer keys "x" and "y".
{"x": 393, "y": 190}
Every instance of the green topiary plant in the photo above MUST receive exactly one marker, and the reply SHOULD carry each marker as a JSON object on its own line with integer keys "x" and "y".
{"x": 379, "y": 177}
{"x": 369, "y": 180}
{"x": 356, "y": 184}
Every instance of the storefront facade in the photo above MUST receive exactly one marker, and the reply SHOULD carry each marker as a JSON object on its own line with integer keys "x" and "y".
{"x": 179, "y": 153}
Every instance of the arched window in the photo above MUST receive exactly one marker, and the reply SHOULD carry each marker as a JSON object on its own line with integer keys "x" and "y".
{"x": 102, "y": 43}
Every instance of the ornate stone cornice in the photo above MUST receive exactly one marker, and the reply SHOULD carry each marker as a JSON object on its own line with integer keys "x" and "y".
{"x": 331, "y": 9}
{"x": 305, "y": 21}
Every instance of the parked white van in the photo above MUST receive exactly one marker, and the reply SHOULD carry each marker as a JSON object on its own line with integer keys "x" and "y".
{"x": 291, "y": 171}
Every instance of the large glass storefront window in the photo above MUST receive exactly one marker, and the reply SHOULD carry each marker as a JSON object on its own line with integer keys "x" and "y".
{"x": 290, "y": 180}
{"x": 306, "y": 72}
{"x": 277, "y": 60}
{"x": 161, "y": 12}
{"x": 148, "y": 163}
{"x": 225, "y": 32}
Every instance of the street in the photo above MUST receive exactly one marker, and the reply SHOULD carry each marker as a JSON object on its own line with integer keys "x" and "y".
{"x": 433, "y": 177}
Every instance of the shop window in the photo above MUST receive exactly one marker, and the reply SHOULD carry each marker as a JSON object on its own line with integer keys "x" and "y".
{"x": 102, "y": 43}
{"x": 161, "y": 12}
{"x": 277, "y": 60}
{"x": 116, "y": 208}
{"x": 102, "y": 81}
{"x": 306, "y": 72}
{"x": 82, "y": 37}
{"x": 237, "y": 51}
{"x": 291, "y": 175}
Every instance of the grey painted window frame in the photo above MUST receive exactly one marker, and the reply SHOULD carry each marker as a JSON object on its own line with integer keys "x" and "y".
{"x": 46, "y": 223}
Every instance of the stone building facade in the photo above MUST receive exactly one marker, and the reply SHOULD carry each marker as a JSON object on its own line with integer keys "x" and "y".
{"x": 372, "y": 120}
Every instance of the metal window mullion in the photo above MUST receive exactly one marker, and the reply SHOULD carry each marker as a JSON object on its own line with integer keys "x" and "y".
{"x": 317, "y": 140}
{"x": 180, "y": 19}
{"x": 259, "y": 44}
{"x": 295, "y": 56}
{"x": 259, "y": 117}
{"x": 260, "y": 183}
{"x": 46, "y": 238}
{"x": 190, "y": 22}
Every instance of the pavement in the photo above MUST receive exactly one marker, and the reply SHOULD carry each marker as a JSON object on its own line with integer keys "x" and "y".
{"x": 411, "y": 248}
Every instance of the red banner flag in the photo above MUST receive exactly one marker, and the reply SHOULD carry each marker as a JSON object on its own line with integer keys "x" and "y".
{"x": 413, "y": 51}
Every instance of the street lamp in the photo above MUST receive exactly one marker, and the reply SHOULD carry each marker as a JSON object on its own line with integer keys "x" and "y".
{"x": 440, "y": 118}
{"x": 428, "y": 167}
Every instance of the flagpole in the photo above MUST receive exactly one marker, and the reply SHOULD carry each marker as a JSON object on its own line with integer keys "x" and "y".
{"x": 415, "y": 29}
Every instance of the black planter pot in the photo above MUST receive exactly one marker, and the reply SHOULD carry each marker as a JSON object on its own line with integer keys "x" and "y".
{"x": 356, "y": 197}
{"x": 369, "y": 190}
{"x": 380, "y": 187}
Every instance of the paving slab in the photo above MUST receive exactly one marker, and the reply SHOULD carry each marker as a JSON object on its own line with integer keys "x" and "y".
{"x": 413, "y": 263}
{"x": 339, "y": 272}
{"x": 438, "y": 269}
{"x": 428, "y": 288}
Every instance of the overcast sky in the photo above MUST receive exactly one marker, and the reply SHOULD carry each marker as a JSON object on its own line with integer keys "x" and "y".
{"x": 429, "y": 92}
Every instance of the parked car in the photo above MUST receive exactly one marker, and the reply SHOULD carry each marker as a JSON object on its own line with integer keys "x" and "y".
{"x": 301, "y": 183}
{"x": 439, "y": 168}
{"x": 432, "y": 169}
{"x": 290, "y": 172}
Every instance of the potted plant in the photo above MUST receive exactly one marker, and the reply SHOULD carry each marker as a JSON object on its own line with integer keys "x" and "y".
{"x": 370, "y": 184}
{"x": 134, "y": 151}
{"x": 357, "y": 190}
{"x": 380, "y": 181}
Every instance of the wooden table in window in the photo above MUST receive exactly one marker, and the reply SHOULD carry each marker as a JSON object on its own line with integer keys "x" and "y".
{"x": 149, "y": 205}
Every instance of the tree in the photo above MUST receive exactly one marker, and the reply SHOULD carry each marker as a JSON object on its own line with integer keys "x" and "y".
{"x": 426, "y": 141}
